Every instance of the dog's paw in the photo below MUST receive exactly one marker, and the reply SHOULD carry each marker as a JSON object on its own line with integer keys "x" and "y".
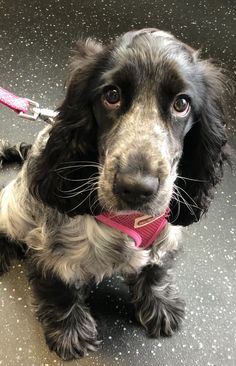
{"x": 73, "y": 340}
{"x": 161, "y": 317}
{"x": 13, "y": 154}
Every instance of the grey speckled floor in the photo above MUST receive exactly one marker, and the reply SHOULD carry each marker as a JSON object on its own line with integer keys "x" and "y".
{"x": 35, "y": 39}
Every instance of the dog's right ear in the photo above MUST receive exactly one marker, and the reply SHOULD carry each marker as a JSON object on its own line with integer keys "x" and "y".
{"x": 75, "y": 119}
{"x": 73, "y": 137}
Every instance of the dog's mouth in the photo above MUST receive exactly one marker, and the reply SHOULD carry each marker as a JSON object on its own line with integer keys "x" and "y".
{"x": 116, "y": 206}
{"x": 138, "y": 191}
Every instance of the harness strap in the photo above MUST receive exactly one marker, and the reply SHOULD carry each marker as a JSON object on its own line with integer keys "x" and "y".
{"x": 143, "y": 229}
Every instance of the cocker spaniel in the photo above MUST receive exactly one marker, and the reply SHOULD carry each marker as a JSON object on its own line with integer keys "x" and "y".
{"x": 139, "y": 138}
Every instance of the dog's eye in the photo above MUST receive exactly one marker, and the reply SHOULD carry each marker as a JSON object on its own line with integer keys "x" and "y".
{"x": 111, "y": 97}
{"x": 181, "y": 105}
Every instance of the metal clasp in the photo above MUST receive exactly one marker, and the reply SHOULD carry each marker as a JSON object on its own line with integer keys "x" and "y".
{"x": 35, "y": 111}
{"x": 47, "y": 115}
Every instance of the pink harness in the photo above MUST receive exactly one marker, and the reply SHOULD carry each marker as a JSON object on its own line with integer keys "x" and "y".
{"x": 143, "y": 229}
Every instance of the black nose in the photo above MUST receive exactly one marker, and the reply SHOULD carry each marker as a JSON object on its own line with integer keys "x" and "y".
{"x": 135, "y": 188}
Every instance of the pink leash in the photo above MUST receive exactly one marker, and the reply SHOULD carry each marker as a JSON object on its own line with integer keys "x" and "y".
{"x": 14, "y": 102}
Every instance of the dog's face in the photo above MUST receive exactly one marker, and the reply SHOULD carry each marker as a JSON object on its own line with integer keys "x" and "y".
{"x": 143, "y": 111}
{"x": 145, "y": 115}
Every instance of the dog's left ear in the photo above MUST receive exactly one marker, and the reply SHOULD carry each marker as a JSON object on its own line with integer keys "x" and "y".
{"x": 205, "y": 147}
{"x": 73, "y": 137}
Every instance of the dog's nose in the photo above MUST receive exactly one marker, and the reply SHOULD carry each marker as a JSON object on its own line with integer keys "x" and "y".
{"x": 135, "y": 188}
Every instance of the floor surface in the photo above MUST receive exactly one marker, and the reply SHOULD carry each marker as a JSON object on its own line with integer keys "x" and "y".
{"x": 35, "y": 40}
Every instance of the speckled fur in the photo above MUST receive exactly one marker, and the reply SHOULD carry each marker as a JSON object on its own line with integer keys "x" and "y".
{"x": 74, "y": 251}
{"x": 78, "y": 248}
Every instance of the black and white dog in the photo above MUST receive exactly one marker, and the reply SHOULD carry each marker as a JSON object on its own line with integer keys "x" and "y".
{"x": 141, "y": 130}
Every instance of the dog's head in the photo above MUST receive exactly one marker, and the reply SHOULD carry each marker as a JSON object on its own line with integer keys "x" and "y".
{"x": 142, "y": 128}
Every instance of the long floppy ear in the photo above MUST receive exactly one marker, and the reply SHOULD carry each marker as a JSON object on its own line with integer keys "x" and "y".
{"x": 72, "y": 141}
{"x": 205, "y": 148}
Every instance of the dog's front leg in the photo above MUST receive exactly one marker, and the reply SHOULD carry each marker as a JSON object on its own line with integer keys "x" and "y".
{"x": 68, "y": 326}
{"x": 155, "y": 297}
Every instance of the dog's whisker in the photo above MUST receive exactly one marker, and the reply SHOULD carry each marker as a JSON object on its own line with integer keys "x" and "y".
{"x": 187, "y": 204}
{"x": 191, "y": 179}
{"x": 177, "y": 199}
{"x": 195, "y": 204}
{"x": 72, "y": 179}
{"x": 86, "y": 198}
{"x": 92, "y": 187}
{"x": 82, "y": 162}
{"x": 97, "y": 202}
{"x": 78, "y": 166}
{"x": 178, "y": 212}
{"x": 76, "y": 194}
{"x": 73, "y": 168}
{"x": 94, "y": 205}
{"x": 88, "y": 182}
{"x": 77, "y": 206}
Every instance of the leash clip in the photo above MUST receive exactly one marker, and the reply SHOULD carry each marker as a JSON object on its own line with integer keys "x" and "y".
{"x": 45, "y": 114}
{"x": 35, "y": 111}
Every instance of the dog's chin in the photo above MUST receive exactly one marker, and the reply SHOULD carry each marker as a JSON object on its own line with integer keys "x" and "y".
{"x": 121, "y": 208}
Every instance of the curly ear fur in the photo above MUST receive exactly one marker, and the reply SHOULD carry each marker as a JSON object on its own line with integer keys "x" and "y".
{"x": 73, "y": 136}
{"x": 205, "y": 148}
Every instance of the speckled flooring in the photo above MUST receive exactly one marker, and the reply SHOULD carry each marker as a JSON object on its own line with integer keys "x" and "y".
{"x": 35, "y": 39}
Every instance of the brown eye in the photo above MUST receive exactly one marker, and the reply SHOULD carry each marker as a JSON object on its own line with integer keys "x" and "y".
{"x": 111, "y": 97}
{"x": 181, "y": 105}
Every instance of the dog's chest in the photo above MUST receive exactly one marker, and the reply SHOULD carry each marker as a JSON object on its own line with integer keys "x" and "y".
{"x": 86, "y": 249}
{"x": 81, "y": 249}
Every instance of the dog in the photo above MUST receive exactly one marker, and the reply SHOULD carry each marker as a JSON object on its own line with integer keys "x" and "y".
{"x": 140, "y": 135}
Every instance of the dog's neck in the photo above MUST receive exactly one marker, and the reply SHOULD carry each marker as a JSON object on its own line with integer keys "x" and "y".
{"x": 143, "y": 229}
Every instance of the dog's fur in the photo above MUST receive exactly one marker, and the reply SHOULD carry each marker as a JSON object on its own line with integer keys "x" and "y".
{"x": 71, "y": 173}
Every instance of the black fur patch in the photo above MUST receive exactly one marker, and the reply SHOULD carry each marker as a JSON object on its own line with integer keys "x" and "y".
{"x": 69, "y": 328}
{"x": 9, "y": 250}
{"x": 157, "y": 304}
